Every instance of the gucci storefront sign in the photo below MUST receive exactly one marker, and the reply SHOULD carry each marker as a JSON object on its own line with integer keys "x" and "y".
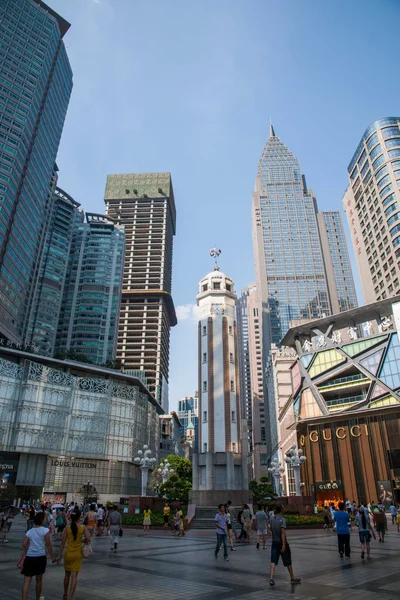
{"x": 328, "y": 486}
{"x": 340, "y": 432}
{"x": 73, "y": 463}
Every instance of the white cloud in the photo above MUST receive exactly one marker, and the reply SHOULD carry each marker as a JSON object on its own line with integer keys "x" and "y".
{"x": 186, "y": 312}
{"x": 96, "y": 1}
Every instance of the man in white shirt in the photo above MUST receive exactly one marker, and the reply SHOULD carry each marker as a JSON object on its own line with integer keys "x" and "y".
{"x": 100, "y": 517}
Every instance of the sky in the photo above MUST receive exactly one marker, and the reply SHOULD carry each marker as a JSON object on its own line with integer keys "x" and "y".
{"x": 190, "y": 86}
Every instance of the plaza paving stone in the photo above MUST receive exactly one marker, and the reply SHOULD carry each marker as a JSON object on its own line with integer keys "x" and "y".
{"x": 160, "y": 567}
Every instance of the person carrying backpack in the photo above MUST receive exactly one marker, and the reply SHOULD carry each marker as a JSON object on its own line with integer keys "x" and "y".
{"x": 61, "y": 522}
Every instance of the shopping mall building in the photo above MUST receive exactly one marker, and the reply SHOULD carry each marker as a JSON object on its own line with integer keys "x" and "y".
{"x": 64, "y": 424}
{"x": 345, "y": 405}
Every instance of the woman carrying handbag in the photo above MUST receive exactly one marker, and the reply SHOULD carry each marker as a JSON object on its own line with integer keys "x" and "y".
{"x": 73, "y": 537}
{"x": 33, "y": 559}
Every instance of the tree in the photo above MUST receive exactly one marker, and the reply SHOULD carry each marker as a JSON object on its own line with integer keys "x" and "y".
{"x": 176, "y": 489}
{"x": 88, "y": 492}
{"x": 262, "y": 490}
{"x": 182, "y": 466}
{"x": 179, "y": 484}
{"x": 8, "y": 492}
{"x": 72, "y": 354}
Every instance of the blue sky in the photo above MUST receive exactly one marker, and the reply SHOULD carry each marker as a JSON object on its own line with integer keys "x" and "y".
{"x": 189, "y": 86}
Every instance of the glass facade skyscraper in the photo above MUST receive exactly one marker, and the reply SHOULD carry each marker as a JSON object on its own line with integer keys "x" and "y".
{"x": 372, "y": 206}
{"x": 337, "y": 261}
{"x": 47, "y": 301}
{"x": 92, "y": 293}
{"x": 35, "y": 87}
{"x": 290, "y": 268}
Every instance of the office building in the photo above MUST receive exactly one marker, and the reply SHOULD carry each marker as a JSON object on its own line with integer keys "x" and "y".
{"x": 251, "y": 379}
{"x": 337, "y": 262}
{"x": 63, "y": 215}
{"x": 89, "y": 314}
{"x": 144, "y": 204}
{"x": 35, "y": 89}
{"x": 220, "y": 463}
{"x": 290, "y": 270}
{"x": 66, "y": 423}
{"x": 372, "y": 206}
{"x": 345, "y": 403}
{"x": 170, "y": 436}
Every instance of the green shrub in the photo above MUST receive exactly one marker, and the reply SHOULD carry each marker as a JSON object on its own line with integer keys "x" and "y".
{"x": 303, "y": 519}
{"x": 157, "y": 518}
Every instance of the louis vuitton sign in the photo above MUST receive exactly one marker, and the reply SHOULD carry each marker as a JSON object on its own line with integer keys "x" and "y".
{"x": 341, "y": 433}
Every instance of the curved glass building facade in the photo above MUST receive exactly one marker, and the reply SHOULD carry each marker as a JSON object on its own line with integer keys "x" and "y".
{"x": 35, "y": 87}
{"x": 372, "y": 206}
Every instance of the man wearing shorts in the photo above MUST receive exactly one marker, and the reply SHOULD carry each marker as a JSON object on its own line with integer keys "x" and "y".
{"x": 262, "y": 519}
{"x": 280, "y": 547}
{"x": 166, "y": 511}
{"x": 8, "y": 521}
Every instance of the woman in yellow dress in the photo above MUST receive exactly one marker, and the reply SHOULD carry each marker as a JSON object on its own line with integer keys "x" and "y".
{"x": 147, "y": 519}
{"x": 73, "y": 535}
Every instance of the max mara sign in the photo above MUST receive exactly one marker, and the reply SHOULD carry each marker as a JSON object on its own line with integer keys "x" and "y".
{"x": 340, "y": 432}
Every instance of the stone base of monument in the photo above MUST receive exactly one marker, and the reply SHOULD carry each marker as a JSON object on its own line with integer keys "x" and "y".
{"x": 207, "y": 498}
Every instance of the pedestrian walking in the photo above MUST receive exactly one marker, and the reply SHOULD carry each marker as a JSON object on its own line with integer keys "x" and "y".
{"x": 91, "y": 519}
{"x": 380, "y": 523}
{"x": 247, "y": 522}
{"x": 72, "y": 538}
{"x": 393, "y": 512}
{"x": 8, "y": 519}
{"x": 30, "y": 516}
{"x": 233, "y": 516}
{"x": 342, "y": 522}
{"x": 349, "y": 507}
{"x": 221, "y": 529}
{"x": 229, "y": 526}
{"x": 262, "y": 521}
{"x": 176, "y": 523}
{"x": 100, "y": 520}
{"x": 115, "y": 520}
{"x": 61, "y": 523}
{"x": 280, "y": 547}
{"x": 363, "y": 522}
{"x": 326, "y": 512}
{"x": 147, "y": 520}
{"x": 166, "y": 513}
{"x": 242, "y": 535}
{"x": 398, "y": 518}
{"x": 37, "y": 540}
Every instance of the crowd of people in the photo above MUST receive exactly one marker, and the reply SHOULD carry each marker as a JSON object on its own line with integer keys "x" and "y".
{"x": 370, "y": 519}
{"x": 262, "y": 523}
{"x": 73, "y": 526}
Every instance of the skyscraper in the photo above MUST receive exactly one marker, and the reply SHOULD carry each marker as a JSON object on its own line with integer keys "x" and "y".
{"x": 92, "y": 293}
{"x": 290, "y": 270}
{"x": 337, "y": 262}
{"x": 188, "y": 413}
{"x": 251, "y": 378}
{"x": 144, "y": 204}
{"x": 48, "y": 295}
{"x": 35, "y": 89}
{"x": 372, "y": 206}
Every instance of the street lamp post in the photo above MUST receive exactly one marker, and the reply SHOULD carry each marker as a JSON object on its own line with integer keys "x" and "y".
{"x": 145, "y": 461}
{"x": 165, "y": 470}
{"x": 276, "y": 471}
{"x": 295, "y": 458}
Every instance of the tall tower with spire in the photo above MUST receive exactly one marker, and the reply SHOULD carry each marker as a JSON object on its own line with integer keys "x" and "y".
{"x": 290, "y": 270}
{"x": 218, "y": 464}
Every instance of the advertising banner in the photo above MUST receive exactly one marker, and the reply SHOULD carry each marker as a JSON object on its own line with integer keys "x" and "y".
{"x": 385, "y": 494}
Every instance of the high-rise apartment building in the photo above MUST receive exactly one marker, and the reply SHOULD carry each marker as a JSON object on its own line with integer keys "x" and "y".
{"x": 144, "y": 204}
{"x": 372, "y": 206}
{"x": 35, "y": 87}
{"x": 89, "y": 314}
{"x": 251, "y": 378}
{"x": 290, "y": 270}
{"x": 337, "y": 261}
{"x": 64, "y": 214}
